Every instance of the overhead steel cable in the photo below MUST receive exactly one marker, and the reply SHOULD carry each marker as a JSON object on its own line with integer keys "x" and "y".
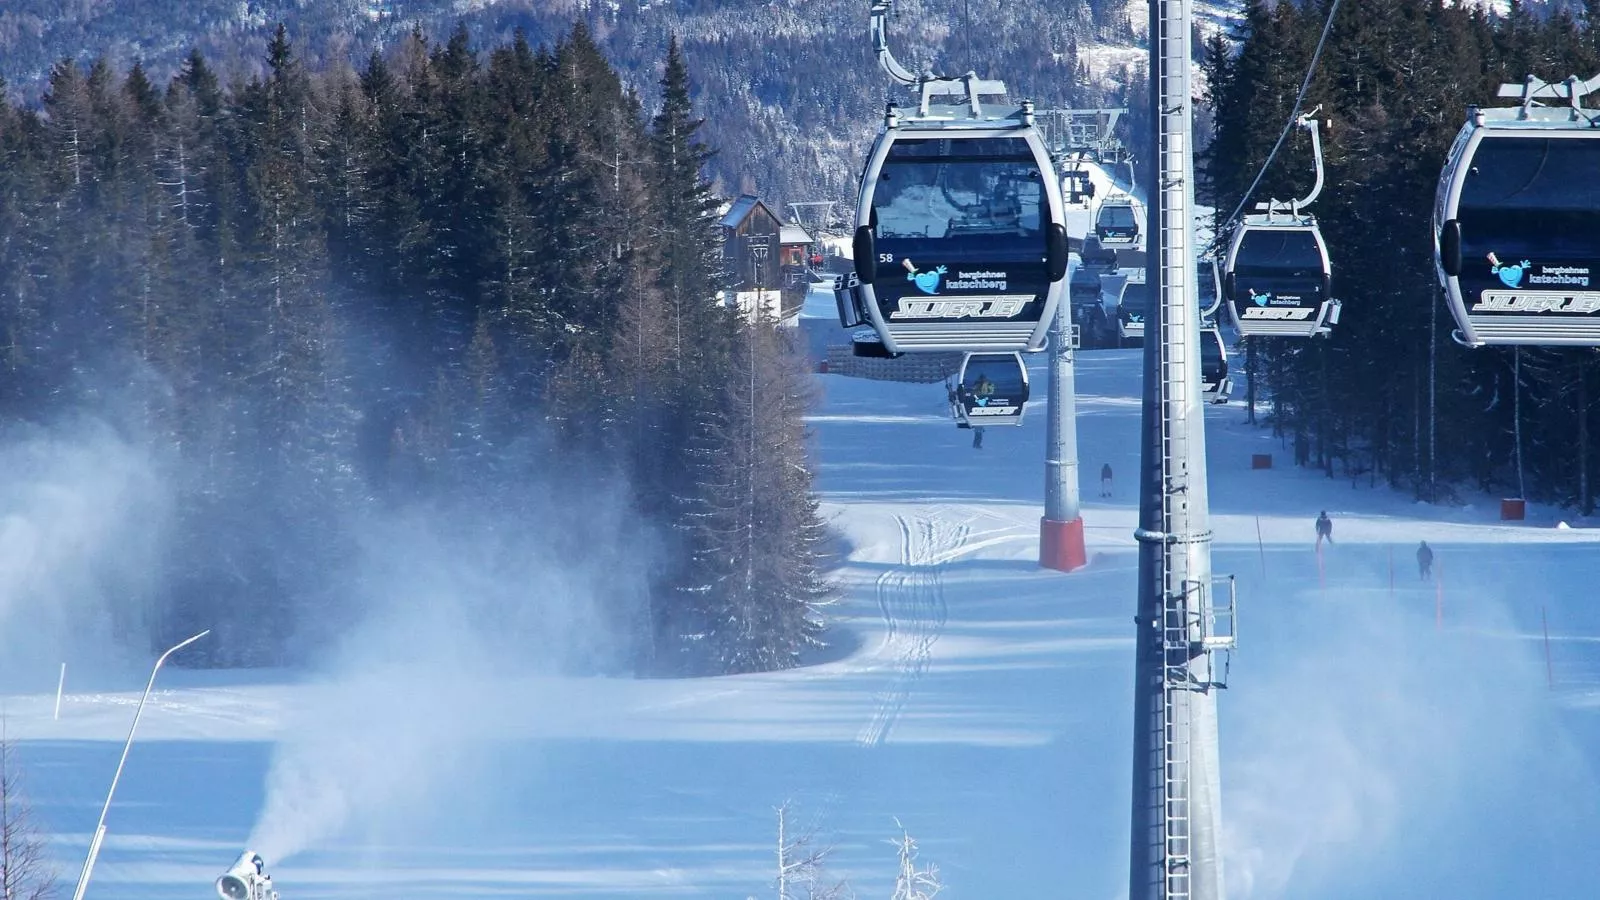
{"x": 1294, "y": 115}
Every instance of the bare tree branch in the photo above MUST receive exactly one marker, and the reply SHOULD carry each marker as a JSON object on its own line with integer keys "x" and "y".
{"x": 25, "y": 873}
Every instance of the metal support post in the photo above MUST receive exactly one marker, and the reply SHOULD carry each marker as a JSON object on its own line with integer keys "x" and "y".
{"x": 100, "y": 827}
{"x": 1061, "y": 530}
{"x": 1176, "y": 815}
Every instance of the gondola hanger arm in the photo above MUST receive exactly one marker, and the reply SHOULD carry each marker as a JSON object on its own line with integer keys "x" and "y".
{"x": 1309, "y": 123}
{"x": 880, "y": 10}
{"x": 932, "y": 86}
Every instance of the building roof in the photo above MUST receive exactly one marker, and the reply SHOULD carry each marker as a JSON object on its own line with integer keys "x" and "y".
{"x": 793, "y": 234}
{"x": 741, "y": 208}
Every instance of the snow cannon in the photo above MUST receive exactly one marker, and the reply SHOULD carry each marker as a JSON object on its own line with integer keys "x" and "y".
{"x": 246, "y": 879}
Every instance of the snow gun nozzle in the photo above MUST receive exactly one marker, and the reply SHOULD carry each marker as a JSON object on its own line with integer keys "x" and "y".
{"x": 246, "y": 879}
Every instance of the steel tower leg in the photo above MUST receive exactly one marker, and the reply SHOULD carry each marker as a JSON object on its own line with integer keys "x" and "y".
{"x": 1176, "y": 782}
{"x": 1061, "y": 530}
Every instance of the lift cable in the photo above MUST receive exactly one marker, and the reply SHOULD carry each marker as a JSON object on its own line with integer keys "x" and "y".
{"x": 1294, "y": 115}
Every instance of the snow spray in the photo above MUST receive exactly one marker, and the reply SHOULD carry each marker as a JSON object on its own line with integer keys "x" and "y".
{"x": 364, "y": 751}
{"x": 458, "y": 607}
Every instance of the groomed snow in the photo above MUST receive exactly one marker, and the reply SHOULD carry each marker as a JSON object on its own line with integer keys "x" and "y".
{"x": 1378, "y": 741}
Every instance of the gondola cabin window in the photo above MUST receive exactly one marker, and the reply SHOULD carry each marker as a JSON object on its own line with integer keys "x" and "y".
{"x": 992, "y": 188}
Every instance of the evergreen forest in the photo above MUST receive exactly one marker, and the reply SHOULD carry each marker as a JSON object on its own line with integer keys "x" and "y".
{"x": 1389, "y": 396}
{"x": 476, "y": 282}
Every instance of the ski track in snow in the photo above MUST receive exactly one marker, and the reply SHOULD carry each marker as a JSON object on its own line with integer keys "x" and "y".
{"x": 911, "y": 600}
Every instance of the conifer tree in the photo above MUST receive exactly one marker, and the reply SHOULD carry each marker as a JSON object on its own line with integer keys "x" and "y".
{"x": 752, "y": 601}
{"x": 531, "y": 267}
{"x": 686, "y": 212}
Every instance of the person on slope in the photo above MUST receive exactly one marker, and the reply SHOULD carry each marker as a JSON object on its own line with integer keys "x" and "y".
{"x": 1324, "y": 529}
{"x": 1424, "y": 561}
{"x": 1105, "y": 480}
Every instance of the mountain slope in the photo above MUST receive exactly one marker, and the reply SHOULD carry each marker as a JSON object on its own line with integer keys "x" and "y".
{"x": 791, "y": 92}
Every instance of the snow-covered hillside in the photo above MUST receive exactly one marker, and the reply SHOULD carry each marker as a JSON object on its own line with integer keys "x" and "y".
{"x": 1380, "y": 731}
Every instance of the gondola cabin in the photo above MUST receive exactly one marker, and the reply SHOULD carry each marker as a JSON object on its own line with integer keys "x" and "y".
{"x": 1117, "y": 222}
{"x": 1517, "y": 228}
{"x": 992, "y": 390}
{"x": 1215, "y": 385}
{"x": 1133, "y": 307}
{"x": 960, "y": 241}
{"x": 1096, "y": 256}
{"x": 1276, "y": 279}
{"x": 1208, "y": 287}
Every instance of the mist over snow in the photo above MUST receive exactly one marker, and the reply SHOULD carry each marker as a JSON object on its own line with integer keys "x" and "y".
{"x": 464, "y": 603}
{"x": 1371, "y": 740}
{"x": 83, "y": 512}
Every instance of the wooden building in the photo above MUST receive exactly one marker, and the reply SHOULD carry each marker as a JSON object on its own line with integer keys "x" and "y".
{"x": 765, "y": 263}
{"x": 751, "y": 249}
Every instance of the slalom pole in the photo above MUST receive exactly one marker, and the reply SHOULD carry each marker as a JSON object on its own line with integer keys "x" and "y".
{"x": 1262, "y": 547}
{"x": 1322, "y": 573}
{"x": 1438, "y": 597}
{"x": 1549, "y": 669}
{"x": 1391, "y": 572}
{"x": 60, "y": 684}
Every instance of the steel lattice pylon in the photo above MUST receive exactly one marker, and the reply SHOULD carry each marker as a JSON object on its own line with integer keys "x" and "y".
{"x": 1180, "y": 630}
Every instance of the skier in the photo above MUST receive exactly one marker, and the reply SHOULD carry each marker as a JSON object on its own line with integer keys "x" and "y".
{"x": 1424, "y": 561}
{"x": 1324, "y": 529}
{"x": 977, "y": 437}
{"x": 1105, "y": 480}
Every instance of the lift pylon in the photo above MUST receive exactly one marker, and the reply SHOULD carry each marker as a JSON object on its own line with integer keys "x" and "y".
{"x": 1180, "y": 639}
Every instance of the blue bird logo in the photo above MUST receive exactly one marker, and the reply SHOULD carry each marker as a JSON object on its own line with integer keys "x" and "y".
{"x": 926, "y": 282}
{"x": 1510, "y": 276}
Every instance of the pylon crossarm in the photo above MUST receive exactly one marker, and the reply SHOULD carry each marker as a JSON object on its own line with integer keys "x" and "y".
{"x": 1570, "y": 89}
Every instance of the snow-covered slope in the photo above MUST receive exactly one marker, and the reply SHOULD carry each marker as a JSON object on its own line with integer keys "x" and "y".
{"x": 1378, "y": 734}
